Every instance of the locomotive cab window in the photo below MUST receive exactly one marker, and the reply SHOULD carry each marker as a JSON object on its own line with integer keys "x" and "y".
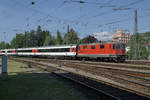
{"x": 116, "y": 46}
{"x": 123, "y": 46}
{"x": 93, "y": 47}
{"x": 102, "y": 46}
{"x": 84, "y": 47}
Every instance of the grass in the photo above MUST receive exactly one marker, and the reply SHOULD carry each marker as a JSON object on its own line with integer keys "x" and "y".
{"x": 32, "y": 84}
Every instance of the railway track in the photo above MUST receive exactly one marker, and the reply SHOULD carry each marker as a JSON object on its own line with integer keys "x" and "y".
{"x": 106, "y": 75}
{"x": 132, "y": 70}
{"x": 137, "y": 62}
{"x": 99, "y": 68}
{"x": 123, "y": 65}
{"x": 84, "y": 82}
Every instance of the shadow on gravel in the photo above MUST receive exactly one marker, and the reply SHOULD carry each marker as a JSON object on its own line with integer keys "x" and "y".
{"x": 43, "y": 86}
{"x": 118, "y": 93}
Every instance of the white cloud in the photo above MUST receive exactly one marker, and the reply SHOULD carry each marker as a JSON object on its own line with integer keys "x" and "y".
{"x": 103, "y": 36}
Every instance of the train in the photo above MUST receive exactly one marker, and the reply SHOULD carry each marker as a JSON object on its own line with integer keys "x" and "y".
{"x": 99, "y": 51}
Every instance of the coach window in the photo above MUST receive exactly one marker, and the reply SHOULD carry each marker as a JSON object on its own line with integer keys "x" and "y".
{"x": 84, "y": 47}
{"x": 24, "y": 51}
{"x": 9, "y": 51}
{"x": 93, "y": 47}
{"x": 102, "y": 46}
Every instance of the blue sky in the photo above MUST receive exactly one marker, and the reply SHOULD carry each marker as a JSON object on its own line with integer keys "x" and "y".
{"x": 16, "y": 16}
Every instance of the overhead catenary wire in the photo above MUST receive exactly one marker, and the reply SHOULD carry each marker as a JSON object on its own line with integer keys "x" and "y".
{"x": 123, "y": 7}
{"x": 48, "y": 15}
{"x": 100, "y": 5}
{"x": 122, "y": 20}
{"x": 86, "y": 2}
{"x": 49, "y": 18}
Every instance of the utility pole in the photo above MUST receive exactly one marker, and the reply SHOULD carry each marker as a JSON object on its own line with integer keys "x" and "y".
{"x": 4, "y": 40}
{"x": 68, "y": 30}
{"x": 136, "y": 35}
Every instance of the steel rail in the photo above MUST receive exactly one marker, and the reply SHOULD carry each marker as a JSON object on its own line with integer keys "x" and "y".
{"x": 84, "y": 84}
{"x": 131, "y": 66}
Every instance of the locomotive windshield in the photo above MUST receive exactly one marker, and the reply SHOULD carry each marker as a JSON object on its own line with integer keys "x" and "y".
{"x": 116, "y": 46}
{"x": 123, "y": 46}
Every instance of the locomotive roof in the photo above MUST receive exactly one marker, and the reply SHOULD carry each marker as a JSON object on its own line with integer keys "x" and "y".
{"x": 101, "y": 43}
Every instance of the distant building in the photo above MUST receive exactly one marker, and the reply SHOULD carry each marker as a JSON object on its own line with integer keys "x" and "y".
{"x": 148, "y": 46}
{"x": 121, "y": 36}
{"x": 148, "y": 57}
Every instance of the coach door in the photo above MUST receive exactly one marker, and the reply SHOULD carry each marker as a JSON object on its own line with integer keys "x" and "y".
{"x": 110, "y": 48}
{"x": 33, "y": 51}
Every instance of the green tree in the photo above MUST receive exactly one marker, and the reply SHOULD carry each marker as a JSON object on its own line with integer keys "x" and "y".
{"x": 26, "y": 39}
{"x": 71, "y": 37}
{"x": 4, "y": 45}
{"x": 13, "y": 43}
{"x": 142, "y": 42}
{"x": 50, "y": 40}
{"x": 39, "y": 36}
{"x": 18, "y": 41}
{"x": 33, "y": 39}
{"x": 44, "y": 35}
{"x": 59, "y": 38}
{"x": 89, "y": 39}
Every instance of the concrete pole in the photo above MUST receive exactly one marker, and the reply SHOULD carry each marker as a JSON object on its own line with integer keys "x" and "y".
{"x": 68, "y": 30}
{"x": 136, "y": 36}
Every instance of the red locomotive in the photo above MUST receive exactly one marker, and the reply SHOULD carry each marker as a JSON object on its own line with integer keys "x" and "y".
{"x": 103, "y": 51}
